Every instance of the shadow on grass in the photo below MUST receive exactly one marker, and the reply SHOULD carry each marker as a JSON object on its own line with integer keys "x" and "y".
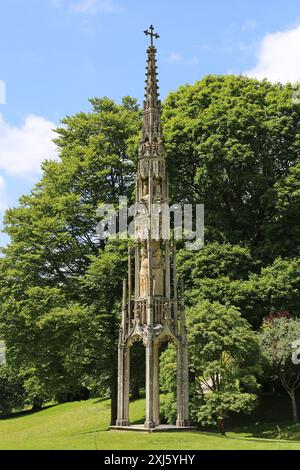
{"x": 138, "y": 421}
{"x": 101, "y": 400}
{"x": 19, "y": 414}
{"x": 270, "y": 420}
{"x": 96, "y": 431}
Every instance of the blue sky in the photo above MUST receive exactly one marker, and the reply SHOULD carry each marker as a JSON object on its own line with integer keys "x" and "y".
{"x": 55, "y": 54}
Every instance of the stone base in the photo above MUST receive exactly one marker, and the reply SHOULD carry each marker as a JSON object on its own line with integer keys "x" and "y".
{"x": 182, "y": 424}
{"x": 122, "y": 423}
{"x": 160, "y": 428}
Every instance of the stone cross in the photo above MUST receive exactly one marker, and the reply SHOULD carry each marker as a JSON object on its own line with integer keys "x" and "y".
{"x": 150, "y": 32}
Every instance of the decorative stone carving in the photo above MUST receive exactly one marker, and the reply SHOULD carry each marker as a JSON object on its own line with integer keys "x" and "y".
{"x": 158, "y": 266}
{"x": 144, "y": 272}
{"x": 156, "y": 317}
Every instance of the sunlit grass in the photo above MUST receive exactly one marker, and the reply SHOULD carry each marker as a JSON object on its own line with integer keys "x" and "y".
{"x": 84, "y": 425}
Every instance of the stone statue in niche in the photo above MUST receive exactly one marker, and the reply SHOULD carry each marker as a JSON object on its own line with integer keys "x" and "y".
{"x": 155, "y": 147}
{"x": 144, "y": 271}
{"x": 147, "y": 148}
{"x": 157, "y": 189}
{"x": 145, "y": 188}
{"x": 160, "y": 147}
{"x": 141, "y": 148}
{"x": 158, "y": 268}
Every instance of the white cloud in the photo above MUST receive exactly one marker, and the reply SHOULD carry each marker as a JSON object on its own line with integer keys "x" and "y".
{"x": 103, "y": 7}
{"x": 2, "y": 92}
{"x": 279, "y": 57}
{"x": 22, "y": 149}
{"x": 3, "y": 195}
{"x": 176, "y": 58}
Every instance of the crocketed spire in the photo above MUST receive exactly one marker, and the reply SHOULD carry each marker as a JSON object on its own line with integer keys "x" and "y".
{"x": 152, "y": 142}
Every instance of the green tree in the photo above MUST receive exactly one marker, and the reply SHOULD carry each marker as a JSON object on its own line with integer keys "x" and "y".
{"x": 168, "y": 374}
{"x": 279, "y": 286}
{"x": 12, "y": 393}
{"x": 279, "y": 339}
{"x": 47, "y": 312}
{"x": 224, "y": 363}
{"x": 216, "y": 260}
{"x": 230, "y": 140}
{"x": 101, "y": 292}
{"x": 223, "y": 273}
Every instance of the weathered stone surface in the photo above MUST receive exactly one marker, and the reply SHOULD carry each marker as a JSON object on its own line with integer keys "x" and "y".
{"x": 150, "y": 310}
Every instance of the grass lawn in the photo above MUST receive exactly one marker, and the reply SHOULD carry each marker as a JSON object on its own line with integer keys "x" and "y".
{"x": 83, "y": 425}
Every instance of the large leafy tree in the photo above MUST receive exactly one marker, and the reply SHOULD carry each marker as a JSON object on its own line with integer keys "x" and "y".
{"x": 11, "y": 389}
{"x": 59, "y": 286}
{"x": 101, "y": 292}
{"x": 224, "y": 365}
{"x": 230, "y": 141}
{"x": 279, "y": 340}
{"x": 279, "y": 286}
{"x": 223, "y": 360}
{"x": 223, "y": 273}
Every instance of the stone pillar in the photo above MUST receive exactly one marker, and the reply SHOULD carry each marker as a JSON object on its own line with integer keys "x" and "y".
{"x": 156, "y": 384}
{"x": 124, "y": 319}
{"x": 137, "y": 271}
{"x": 183, "y": 409}
{"x": 149, "y": 422}
{"x": 179, "y": 420}
{"x": 123, "y": 385}
{"x": 129, "y": 289}
{"x": 185, "y": 386}
{"x": 168, "y": 270}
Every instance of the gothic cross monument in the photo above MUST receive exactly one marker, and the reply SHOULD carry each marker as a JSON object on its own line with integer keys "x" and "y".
{"x": 152, "y": 312}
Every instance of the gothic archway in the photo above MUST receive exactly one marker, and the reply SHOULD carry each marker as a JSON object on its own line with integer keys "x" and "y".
{"x": 137, "y": 353}
{"x": 166, "y": 344}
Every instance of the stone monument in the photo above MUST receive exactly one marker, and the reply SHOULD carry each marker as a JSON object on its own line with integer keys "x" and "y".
{"x": 151, "y": 310}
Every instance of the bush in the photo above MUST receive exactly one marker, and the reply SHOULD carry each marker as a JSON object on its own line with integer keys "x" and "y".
{"x": 12, "y": 392}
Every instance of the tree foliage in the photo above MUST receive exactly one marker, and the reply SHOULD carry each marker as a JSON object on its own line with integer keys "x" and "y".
{"x": 11, "y": 390}
{"x": 59, "y": 283}
{"x": 279, "y": 341}
{"x": 232, "y": 143}
{"x": 224, "y": 365}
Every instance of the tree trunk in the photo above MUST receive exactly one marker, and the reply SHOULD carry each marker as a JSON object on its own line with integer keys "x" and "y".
{"x": 221, "y": 427}
{"x": 294, "y": 405}
{"x": 114, "y": 395}
{"x": 37, "y": 404}
{"x": 135, "y": 390}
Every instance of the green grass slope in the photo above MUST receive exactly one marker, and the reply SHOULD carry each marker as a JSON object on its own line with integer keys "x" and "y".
{"x": 83, "y": 425}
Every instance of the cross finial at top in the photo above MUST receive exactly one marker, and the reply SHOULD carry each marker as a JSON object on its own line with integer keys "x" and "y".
{"x": 150, "y": 32}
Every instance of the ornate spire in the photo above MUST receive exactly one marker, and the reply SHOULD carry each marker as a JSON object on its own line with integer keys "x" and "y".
{"x": 151, "y": 143}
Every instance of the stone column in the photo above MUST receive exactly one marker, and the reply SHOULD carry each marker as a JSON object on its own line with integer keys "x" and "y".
{"x": 156, "y": 384}
{"x": 183, "y": 371}
{"x": 185, "y": 386}
{"x": 137, "y": 270}
{"x": 185, "y": 362}
{"x": 123, "y": 385}
{"x": 179, "y": 420}
{"x": 149, "y": 422}
{"x": 168, "y": 270}
{"x": 129, "y": 289}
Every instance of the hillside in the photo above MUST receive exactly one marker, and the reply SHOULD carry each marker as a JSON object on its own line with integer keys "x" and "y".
{"x": 83, "y": 425}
